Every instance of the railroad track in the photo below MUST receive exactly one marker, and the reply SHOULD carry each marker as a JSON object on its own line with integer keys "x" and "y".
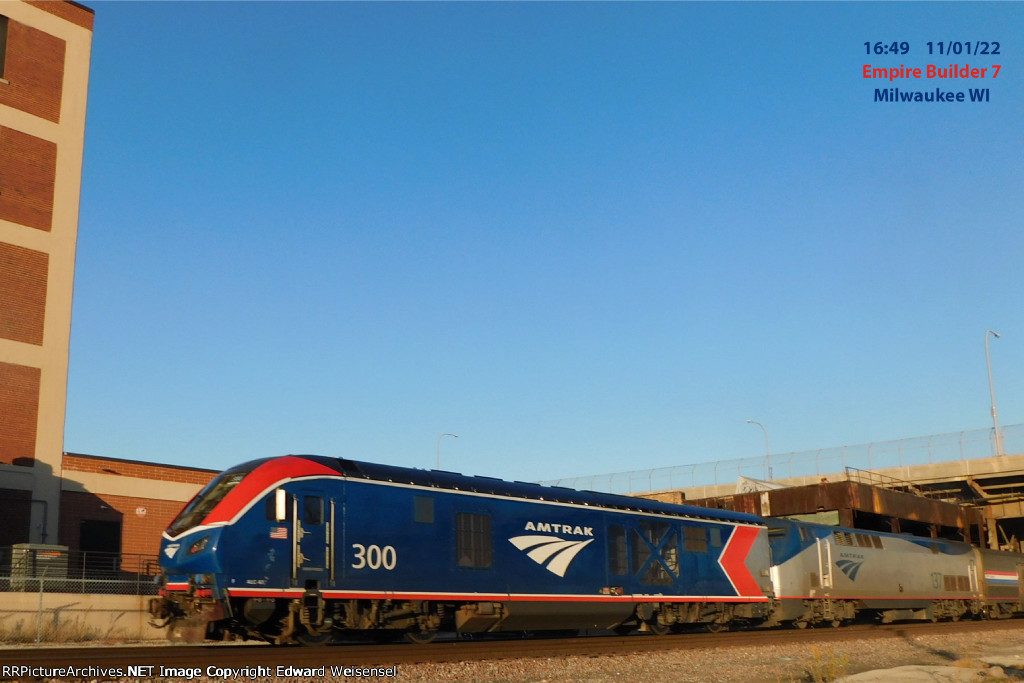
{"x": 364, "y": 655}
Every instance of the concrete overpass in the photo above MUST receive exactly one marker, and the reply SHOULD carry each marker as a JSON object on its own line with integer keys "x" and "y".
{"x": 981, "y": 501}
{"x": 941, "y": 485}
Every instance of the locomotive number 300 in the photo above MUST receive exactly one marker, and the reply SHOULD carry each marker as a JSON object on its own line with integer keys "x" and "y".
{"x": 374, "y": 557}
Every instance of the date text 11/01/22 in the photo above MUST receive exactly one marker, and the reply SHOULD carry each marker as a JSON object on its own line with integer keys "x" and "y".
{"x": 945, "y": 47}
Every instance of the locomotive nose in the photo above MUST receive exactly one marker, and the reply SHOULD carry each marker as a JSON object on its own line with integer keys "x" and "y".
{"x": 192, "y": 554}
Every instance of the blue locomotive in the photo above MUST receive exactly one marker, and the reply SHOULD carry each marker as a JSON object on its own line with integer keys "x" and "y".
{"x": 309, "y": 548}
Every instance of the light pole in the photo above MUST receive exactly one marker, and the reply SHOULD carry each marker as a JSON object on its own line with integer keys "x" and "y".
{"x": 992, "y": 392}
{"x": 767, "y": 447}
{"x": 439, "y": 448}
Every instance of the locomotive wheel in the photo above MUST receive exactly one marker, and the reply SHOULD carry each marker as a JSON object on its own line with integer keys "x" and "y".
{"x": 800, "y": 624}
{"x": 657, "y": 629}
{"x": 716, "y": 627}
{"x": 313, "y": 639}
{"x": 421, "y": 637}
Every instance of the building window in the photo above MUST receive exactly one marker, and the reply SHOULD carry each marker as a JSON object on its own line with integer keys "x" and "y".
{"x": 473, "y": 540}
{"x": 3, "y": 45}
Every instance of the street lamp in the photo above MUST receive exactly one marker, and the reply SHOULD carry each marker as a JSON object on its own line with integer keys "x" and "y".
{"x": 439, "y": 448}
{"x": 992, "y": 392}
{"x": 767, "y": 447}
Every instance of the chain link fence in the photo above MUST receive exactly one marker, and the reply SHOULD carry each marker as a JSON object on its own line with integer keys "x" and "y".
{"x": 54, "y": 569}
{"x": 922, "y": 450}
{"x": 49, "y": 594}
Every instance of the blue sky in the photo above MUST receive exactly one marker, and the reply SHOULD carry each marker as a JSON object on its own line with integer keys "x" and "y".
{"x": 585, "y": 237}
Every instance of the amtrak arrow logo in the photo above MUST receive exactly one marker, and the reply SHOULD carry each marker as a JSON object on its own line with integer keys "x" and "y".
{"x": 551, "y": 552}
{"x": 171, "y": 548}
{"x": 850, "y": 568}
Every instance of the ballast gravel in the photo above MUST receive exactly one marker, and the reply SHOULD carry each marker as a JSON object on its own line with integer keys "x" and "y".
{"x": 990, "y": 656}
{"x": 982, "y": 657}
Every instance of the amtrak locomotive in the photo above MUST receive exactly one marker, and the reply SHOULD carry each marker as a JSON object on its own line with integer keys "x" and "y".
{"x": 309, "y": 549}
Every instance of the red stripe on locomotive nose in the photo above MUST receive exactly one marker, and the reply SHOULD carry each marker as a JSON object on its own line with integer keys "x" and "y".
{"x": 261, "y": 478}
{"x": 734, "y": 561}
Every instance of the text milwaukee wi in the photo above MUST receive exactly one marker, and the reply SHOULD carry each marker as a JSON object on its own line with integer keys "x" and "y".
{"x": 937, "y": 95}
{"x": 903, "y": 73}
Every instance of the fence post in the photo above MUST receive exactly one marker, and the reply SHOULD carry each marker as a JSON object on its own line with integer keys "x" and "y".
{"x": 39, "y": 615}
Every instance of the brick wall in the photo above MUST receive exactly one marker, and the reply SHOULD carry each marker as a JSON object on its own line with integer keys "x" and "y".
{"x": 22, "y": 293}
{"x": 139, "y": 534}
{"x": 19, "y": 406}
{"x": 34, "y": 70}
{"x": 133, "y": 468}
{"x": 28, "y": 166}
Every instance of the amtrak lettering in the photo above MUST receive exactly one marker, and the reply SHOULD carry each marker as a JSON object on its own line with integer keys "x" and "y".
{"x": 560, "y": 528}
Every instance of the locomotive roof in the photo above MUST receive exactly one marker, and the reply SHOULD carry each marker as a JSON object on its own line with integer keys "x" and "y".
{"x": 517, "y": 489}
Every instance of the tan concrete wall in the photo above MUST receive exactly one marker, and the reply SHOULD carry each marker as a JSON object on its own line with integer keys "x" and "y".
{"x": 75, "y": 617}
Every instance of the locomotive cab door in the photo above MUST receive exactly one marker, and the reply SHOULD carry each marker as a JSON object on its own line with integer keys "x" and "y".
{"x": 312, "y": 539}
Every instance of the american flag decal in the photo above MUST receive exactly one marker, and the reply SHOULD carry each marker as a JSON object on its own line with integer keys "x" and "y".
{"x": 279, "y": 532}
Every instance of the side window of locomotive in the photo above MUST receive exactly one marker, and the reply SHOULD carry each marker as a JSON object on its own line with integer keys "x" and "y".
{"x": 640, "y": 551}
{"x": 473, "y": 540}
{"x": 655, "y": 552}
{"x": 716, "y": 537}
{"x": 423, "y": 509}
{"x": 670, "y": 558}
{"x": 312, "y": 510}
{"x": 617, "y": 556}
{"x": 696, "y": 539}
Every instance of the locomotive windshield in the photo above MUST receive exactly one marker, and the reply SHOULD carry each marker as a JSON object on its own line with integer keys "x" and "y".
{"x": 207, "y": 499}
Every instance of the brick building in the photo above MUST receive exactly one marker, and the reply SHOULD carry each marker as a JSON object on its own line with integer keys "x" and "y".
{"x": 87, "y": 503}
{"x": 47, "y": 496}
{"x": 44, "y": 73}
{"x": 122, "y": 506}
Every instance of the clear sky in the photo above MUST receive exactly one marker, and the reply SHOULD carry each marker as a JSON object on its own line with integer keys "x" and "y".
{"x": 585, "y": 237}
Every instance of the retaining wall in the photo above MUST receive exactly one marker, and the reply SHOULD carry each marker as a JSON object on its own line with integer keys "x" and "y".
{"x": 75, "y": 617}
